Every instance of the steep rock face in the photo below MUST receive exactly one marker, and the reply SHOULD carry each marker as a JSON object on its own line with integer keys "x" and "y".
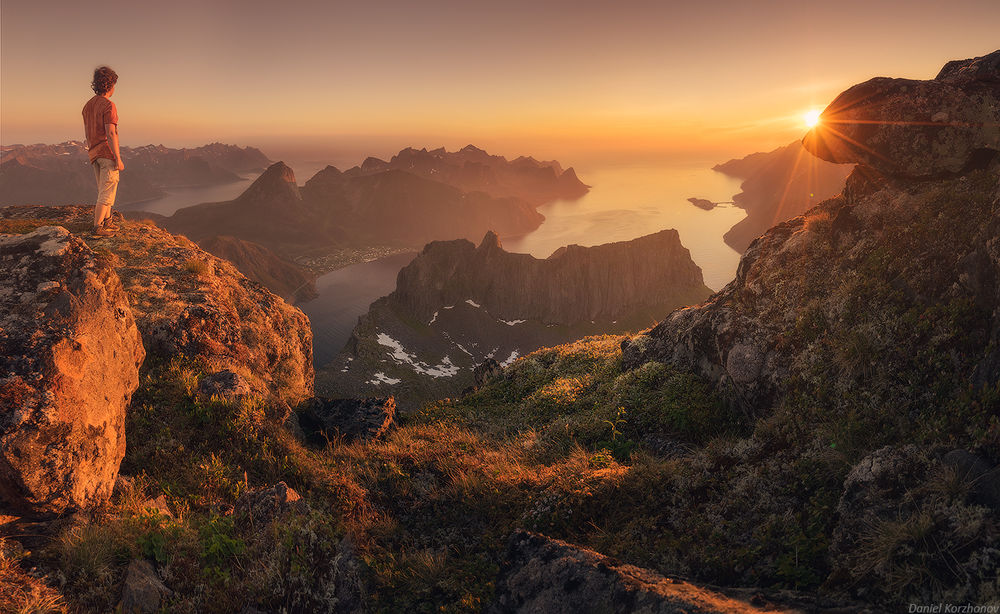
{"x": 457, "y": 305}
{"x": 798, "y": 297}
{"x": 69, "y": 363}
{"x": 916, "y": 129}
{"x": 779, "y": 185}
{"x": 187, "y": 302}
{"x": 574, "y": 284}
{"x": 547, "y": 575}
{"x": 262, "y": 265}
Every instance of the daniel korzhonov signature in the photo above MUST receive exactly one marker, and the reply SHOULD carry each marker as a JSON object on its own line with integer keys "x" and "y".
{"x": 953, "y": 608}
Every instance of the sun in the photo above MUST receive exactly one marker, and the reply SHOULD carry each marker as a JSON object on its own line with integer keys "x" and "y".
{"x": 811, "y": 118}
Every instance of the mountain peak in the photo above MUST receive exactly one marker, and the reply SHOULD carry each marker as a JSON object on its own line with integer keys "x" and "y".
{"x": 276, "y": 183}
{"x": 490, "y": 241}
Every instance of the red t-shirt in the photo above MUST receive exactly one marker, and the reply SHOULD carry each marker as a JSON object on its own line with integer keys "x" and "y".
{"x": 97, "y": 112}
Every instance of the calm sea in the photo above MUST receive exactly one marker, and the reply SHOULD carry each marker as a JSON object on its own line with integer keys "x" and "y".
{"x": 624, "y": 202}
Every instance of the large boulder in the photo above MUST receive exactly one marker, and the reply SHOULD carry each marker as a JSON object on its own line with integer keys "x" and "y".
{"x": 917, "y": 129}
{"x": 70, "y": 353}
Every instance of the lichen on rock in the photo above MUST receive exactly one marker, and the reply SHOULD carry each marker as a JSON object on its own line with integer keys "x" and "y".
{"x": 70, "y": 353}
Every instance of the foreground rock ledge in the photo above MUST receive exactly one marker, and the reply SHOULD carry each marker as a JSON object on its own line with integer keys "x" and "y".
{"x": 546, "y": 575}
{"x": 70, "y": 353}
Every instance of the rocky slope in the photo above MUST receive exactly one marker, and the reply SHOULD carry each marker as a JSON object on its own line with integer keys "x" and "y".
{"x": 471, "y": 169}
{"x": 922, "y": 220}
{"x": 60, "y": 174}
{"x": 873, "y": 323}
{"x": 457, "y": 305}
{"x": 779, "y": 185}
{"x": 189, "y": 303}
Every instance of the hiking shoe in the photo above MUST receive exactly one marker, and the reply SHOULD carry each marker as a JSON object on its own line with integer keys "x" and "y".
{"x": 109, "y": 225}
{"x": 103, "y": 232}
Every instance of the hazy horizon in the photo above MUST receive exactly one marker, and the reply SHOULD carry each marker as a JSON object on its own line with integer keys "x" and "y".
{"x": 569, "y": 81}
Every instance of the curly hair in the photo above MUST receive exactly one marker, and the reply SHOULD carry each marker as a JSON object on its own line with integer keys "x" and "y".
{"x": 104, "y": 80}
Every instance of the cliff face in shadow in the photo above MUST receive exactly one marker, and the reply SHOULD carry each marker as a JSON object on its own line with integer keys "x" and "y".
{"x": 779, "y": 185}
{"x": 457, "y": 305}
{"x": 262, "y": 265}
{"x": 61, "y": 174}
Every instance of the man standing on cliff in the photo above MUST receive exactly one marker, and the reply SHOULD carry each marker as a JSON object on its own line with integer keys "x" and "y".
{"x": 100, "y": 121}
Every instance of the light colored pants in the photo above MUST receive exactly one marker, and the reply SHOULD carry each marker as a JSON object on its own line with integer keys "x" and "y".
{"x": 106, "y": 173}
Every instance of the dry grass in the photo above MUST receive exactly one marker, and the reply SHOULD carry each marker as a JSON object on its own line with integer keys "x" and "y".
{"x": 21, "y": 593}
{"x": 196, "y": 266}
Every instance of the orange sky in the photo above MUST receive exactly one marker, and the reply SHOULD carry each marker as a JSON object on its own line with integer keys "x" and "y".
{"x": 552, "y": 79}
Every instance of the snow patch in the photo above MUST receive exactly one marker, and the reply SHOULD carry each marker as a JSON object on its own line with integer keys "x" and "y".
{"x": 513, "y": 356}
{"x": 513, "y": 322}
{"x": 401, "y": 356}
{"x": 382, "y": 378}
{"x": 434, "y": 319}
{"x": 473, "y": 303}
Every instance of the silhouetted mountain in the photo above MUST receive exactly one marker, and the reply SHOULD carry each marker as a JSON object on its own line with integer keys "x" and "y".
{"x": 389, "y": 207}
{"x": 777, "y": 186}
{"x": 472, "y": 169}
{"x": 61, "y": 174}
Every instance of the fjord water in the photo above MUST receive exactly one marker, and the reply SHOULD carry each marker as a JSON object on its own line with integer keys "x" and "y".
{"x": 624, "y": 202}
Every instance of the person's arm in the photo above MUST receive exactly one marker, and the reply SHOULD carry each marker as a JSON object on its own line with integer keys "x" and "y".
{"x": 112, "y": 131}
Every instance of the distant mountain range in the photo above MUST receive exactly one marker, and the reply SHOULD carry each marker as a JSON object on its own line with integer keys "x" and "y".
{"x": 473, "y": 170}
{"x": 61, "y": 174}
{"x": 457, "y": 306}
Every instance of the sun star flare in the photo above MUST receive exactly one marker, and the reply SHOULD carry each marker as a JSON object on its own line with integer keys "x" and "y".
{"x": 811, "y": 118}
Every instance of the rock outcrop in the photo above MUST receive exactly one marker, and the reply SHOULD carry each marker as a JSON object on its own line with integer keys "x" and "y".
{"x": 186, "y": 302}
{"x": 540, "y": 574}
{"x": 916, "y": 129}
{"x": 777, "y": 186}
{"x": 457, "y": 306}
{"x": 815, "y": 292}
{"x": 70, "y": 353}
{"x": 347, "y": 420}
